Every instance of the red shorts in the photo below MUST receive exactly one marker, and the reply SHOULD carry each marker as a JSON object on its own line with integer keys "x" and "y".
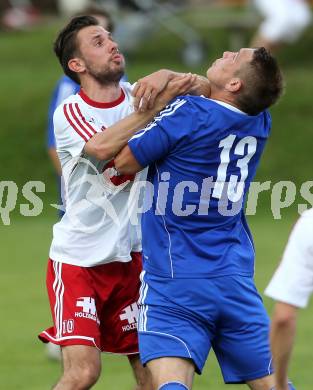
{"x": 94, "y": 306}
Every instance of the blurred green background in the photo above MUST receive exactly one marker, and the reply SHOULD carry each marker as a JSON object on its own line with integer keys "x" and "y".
{"x": 28, "y": 73}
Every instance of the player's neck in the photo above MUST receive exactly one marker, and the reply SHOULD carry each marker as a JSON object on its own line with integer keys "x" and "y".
{"x": 223, "y": 97}
{"x": 101, "y": 93}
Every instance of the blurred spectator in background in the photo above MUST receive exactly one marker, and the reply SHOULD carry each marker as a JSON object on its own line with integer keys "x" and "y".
{"x": 291, "y": 286}
{"x": 284, "y": 21}
{"x": 71, "y": 7}
{"x": 18, "y": 14}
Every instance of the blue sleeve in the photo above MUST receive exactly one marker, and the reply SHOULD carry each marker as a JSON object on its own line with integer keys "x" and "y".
{"x": 165, "y": 133}
{"x": 64, "y": 88}
{"x": 50, "y": 130}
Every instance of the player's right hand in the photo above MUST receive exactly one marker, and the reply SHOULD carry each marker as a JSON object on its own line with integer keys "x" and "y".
{"x": 180, "y": 85}
{"x": 148, "y": 87}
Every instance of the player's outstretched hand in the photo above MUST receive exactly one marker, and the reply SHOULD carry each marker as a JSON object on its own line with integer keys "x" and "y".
{"x": 180, "y": 85}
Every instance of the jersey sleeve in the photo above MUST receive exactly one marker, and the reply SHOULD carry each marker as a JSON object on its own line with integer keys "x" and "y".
{"x": 292, "y": 282}
{"x": 72, "y": 129}
{"x": 162, "y": 135}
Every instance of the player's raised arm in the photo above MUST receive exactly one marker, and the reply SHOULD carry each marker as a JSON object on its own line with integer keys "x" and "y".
{"x": 105, "y": 145}
{"x": 148, "y": 87}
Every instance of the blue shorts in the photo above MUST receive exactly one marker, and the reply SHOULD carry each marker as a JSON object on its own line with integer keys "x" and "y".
{"x": 186, "y": 317}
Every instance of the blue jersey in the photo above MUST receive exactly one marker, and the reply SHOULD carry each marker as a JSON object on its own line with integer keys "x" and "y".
{"x": 202, "y": 157}
{"x": 64, "y": 88}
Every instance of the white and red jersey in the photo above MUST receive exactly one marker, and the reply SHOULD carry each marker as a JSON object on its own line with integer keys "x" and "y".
{"x": 96, "y": 227}
{"x": 292, "y": 282}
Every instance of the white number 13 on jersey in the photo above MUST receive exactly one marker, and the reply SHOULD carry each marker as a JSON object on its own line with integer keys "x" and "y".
{"x": 235, "y": 187}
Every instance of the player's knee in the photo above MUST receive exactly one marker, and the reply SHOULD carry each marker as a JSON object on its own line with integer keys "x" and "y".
{"x": 144, "y": 380}
{"x": 90, "y": 375}
{"x": 141, "y": 373}
{"x": 173, "y": 386}
{"x": 82, "y": 378}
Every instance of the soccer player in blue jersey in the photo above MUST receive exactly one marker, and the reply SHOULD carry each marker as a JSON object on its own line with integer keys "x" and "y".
{"x": 197, "y": 288}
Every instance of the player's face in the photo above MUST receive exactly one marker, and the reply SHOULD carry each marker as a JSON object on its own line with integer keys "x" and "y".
{"x": 225, "y": 68}
{"x": 100, "y": 54}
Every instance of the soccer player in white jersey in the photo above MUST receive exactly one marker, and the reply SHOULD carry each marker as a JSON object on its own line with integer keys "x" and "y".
{"x": 291, "y": 286}
{"x": 93, "y": 285}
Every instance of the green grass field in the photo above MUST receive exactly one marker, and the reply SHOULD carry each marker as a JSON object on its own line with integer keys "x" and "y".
{"x": 24, "y": 310}
{"x": 28, "y": 72}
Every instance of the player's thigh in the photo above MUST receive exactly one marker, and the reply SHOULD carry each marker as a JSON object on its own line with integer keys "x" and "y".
{"x": 74, "y": 306}
{"x": 119, "y": 313}
{"x": 242, "y": 341}
{"x": 167, "y": 327}
{"x": 171, "y": 369}
{"x": 81, "y": 359}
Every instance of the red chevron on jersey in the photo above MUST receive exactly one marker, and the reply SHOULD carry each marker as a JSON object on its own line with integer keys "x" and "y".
{"x": 84, "y": 120}
{"x": 77, "y": 121}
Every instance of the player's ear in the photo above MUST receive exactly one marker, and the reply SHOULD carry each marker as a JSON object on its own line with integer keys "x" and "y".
{"x": 76, "y": 65}
{"x": 234, "y": 85}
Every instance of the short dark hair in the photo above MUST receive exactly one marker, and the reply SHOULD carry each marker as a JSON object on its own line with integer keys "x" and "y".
{"x": 66, "y": 46}
{"x": 262, "y": 83}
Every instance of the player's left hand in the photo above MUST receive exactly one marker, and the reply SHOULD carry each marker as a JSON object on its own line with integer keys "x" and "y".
{"x": 147, "y": 88}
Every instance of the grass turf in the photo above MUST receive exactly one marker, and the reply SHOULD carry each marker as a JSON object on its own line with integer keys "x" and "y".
{"x": 24, "y": 307}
